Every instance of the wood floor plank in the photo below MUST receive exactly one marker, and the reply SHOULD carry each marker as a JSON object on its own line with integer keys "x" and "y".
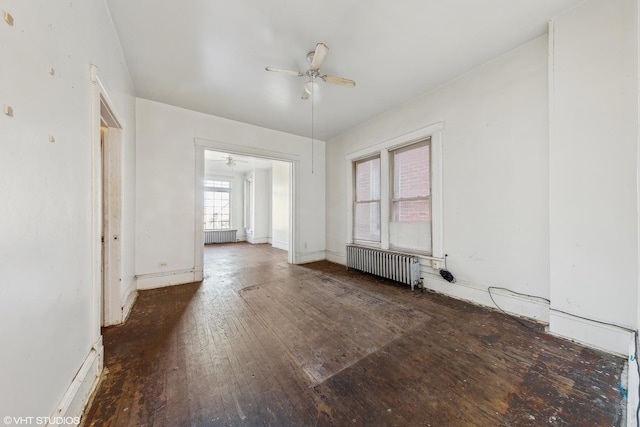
{"x": 263, "y": 343}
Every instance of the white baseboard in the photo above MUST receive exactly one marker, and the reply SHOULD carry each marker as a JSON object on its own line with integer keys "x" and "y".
{"x": 518, "y": 305}
{"x": 75, "y": 399}
{"x": 279, "y": 244}
{"x": 167, "y": 278}
{"x": 303, "y": 258}
{"x": 611, "y": 339}
{"x": 337, "y": 257}
{"x": 128, "y": 303}
{"x": 258, "y": 240}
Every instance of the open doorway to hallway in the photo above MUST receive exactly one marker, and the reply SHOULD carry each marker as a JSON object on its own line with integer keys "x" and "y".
{"x": 246, "y": 199}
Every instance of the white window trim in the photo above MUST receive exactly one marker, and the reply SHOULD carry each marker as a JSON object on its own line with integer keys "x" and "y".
{"x": 434, "y": 132}
{"x": 425, "y": 142}
{"x": 370, "y": 243}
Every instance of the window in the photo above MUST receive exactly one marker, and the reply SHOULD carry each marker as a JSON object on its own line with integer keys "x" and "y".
{"x": 366, "y": 218}
{"x": 217, "y": 205}
{"x": 410, "y": 223}
{"x": 395, "y": 189}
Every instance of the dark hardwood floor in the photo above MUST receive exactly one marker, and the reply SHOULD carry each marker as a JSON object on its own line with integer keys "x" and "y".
{"x": 260, "y": 342}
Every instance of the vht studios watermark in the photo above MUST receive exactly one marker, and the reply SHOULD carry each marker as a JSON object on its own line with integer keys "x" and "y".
{"x": 41, "y": 421}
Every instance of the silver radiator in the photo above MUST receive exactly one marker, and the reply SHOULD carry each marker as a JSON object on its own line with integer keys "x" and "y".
{"x": 396, "y": 266}
{"x": 219, "y": 236}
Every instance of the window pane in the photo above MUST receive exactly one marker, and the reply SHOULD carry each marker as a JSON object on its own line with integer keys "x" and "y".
{"x": 410, "y": 236}
{"x": 217, "y": 206}
{"x": 367, "y": 221}
{"x": 411, "y": 227}
{"x": 217, "y": 184}
{"x": 411, "y": 175}
{"x": 368, "y": 180}
{"x": 221, "y": 184}
{"x": 412, "y": 210}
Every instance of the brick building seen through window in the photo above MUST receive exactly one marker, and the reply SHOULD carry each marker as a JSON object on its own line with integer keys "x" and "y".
{"x": 408, "y": 195}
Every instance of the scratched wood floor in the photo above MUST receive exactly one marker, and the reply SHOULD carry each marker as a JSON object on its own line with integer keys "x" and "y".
{"x": 263, "y": 343}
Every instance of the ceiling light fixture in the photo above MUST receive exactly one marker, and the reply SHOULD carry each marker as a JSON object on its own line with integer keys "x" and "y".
{"x": 311, "y": 86}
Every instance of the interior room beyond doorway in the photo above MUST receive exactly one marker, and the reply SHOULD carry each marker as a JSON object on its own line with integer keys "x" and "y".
{"x": 246, "y": 199}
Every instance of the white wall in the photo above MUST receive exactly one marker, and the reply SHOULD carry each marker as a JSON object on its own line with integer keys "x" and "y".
{"x": 165, "y": 185}
{"x": 594, "y": 170}
{"x": 46, "y": 297}
{"x": 280, "y": 206}
{"x": 495, "y": 177}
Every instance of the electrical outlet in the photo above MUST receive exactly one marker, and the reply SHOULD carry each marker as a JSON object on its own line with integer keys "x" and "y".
{"x": 435, "y": 264}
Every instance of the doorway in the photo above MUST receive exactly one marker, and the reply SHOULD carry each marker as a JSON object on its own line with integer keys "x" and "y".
{"x": 107, "y": 145}
{"x": 284, "y": 235}
{"x": 111, "y": 165}
{"x": 248, "y": 196}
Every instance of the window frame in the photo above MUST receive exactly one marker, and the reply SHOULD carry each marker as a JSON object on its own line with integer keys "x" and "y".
{"x": 392, "y": 196}
{"x": 212, "y": 188}
{"x": 434, "y": 133}
{"x": 355, "y": 202}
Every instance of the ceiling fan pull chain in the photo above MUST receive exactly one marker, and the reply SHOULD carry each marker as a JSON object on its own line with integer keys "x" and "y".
{"x": 312, "y": 120}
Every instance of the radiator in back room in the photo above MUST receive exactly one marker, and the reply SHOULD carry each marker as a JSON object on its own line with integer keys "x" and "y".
{"x": 403, "y": 268}
{"x": 219, "y": 236}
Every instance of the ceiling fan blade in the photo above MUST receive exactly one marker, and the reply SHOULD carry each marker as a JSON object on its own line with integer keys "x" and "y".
{"x": 283, "y": 70}
{"x": 305, "y": 94}
{"x": 338, "y": 81}
{"x": 318, "y": 56}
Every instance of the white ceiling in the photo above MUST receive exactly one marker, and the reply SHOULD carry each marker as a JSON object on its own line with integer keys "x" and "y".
{"x": 210, "y": 55}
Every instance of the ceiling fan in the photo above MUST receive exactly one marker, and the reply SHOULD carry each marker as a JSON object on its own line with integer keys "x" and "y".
{"x": 315, "y": 58}
{"x": 230, "y": 161}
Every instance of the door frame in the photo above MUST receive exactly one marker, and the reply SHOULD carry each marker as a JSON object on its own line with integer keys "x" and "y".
{"x": 106, "y": 217}
{"x": 294, "y": 178}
